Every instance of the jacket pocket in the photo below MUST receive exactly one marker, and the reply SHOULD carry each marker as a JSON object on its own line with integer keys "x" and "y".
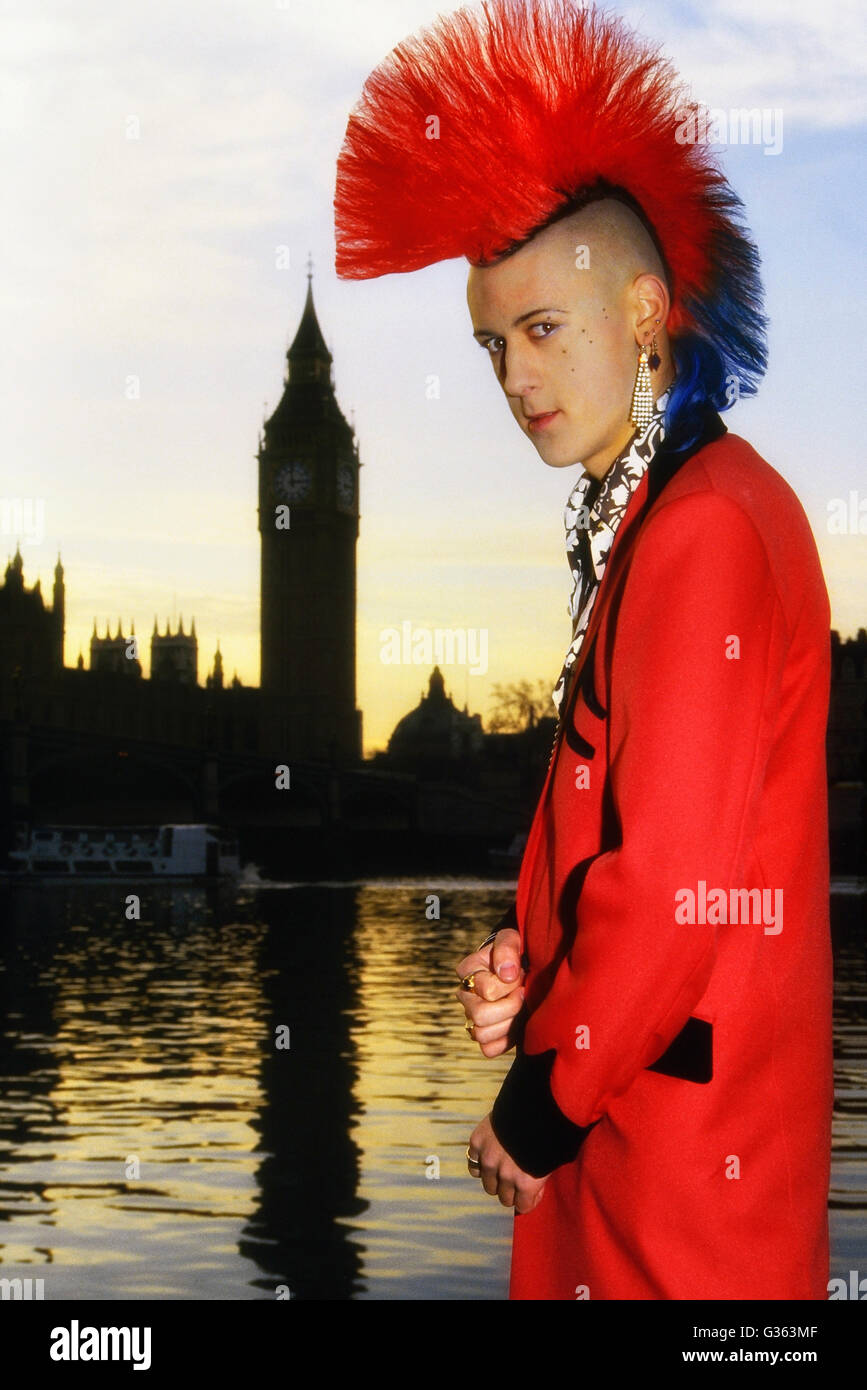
{"x": 690, "y": 1056}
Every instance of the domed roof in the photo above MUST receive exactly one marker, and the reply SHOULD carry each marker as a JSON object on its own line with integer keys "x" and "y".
{"x": 436, "y": 728}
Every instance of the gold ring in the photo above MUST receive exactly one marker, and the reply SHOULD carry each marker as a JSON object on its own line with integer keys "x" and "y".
{"x": 473, "y": 1162}
{"x": 469, "y": 1027}
{"x": 468, "y": 982}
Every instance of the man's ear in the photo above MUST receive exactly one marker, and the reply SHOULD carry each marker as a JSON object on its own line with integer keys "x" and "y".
{"x": 652, "y": 303}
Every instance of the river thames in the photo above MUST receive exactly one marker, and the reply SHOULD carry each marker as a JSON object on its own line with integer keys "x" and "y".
{"x": 267, "y": 1092}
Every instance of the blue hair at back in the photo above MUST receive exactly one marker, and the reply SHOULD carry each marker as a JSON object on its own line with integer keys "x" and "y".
{"x": 724, "y": 356}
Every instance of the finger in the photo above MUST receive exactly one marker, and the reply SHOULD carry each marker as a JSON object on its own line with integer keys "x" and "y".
{"x": 497, "y": 1046}
{"x": 483, "y": 1013}
{"x": 491, "y": 1045}
{"x": 506, "y": 957}
{"x": 479, "y": 960}
{"x": 528, "y": 1201}
{"x": 488, "y": 985}
{"x": 506, "y": 1194}
{"x": 477, "y": 1139}
{"x": 473, "y": 974}
{"x": 490, "y": 1181}
{"x": 493, "y": 1032}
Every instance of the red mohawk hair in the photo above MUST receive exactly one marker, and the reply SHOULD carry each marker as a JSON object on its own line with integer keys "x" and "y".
{"x": 475, "y": 133}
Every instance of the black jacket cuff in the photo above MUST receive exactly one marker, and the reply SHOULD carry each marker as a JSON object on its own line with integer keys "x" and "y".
{"x": 529, "y": 1123}
{"x": 508, "y": 919}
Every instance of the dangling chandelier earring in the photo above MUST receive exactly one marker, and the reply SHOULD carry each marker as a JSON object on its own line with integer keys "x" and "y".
{"x": 641, "y": 412}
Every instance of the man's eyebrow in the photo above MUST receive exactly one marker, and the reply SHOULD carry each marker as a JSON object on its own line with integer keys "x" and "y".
{"x": 522, "y": 318}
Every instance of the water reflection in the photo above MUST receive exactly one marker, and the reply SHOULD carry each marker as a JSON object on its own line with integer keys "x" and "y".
{"x": 156, "y": 1142}
{"x": 307, "y": 966}
{"x": 848, "y": 1195}
{"x": 135, "y": 1044}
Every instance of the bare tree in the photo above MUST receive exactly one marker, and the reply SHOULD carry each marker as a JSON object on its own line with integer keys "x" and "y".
{"x": 519, "y": 706}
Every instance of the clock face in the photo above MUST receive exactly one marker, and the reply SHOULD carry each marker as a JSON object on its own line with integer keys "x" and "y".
{"x": 294, "y": 482}
{"x": 345, "y": 485}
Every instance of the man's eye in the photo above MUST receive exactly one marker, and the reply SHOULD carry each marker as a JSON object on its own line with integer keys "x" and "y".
{"x": 546, "y": 327}
{"x": 492, "y": 345}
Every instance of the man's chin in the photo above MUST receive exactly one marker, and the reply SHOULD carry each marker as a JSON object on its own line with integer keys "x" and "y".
{"x": 555, "y": 456}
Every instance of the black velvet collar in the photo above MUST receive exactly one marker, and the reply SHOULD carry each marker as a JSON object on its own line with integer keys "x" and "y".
{"x": 668, "y": 459}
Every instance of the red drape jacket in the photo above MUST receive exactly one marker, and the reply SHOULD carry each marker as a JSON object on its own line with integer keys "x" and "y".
{"x": 676, "y": 1074}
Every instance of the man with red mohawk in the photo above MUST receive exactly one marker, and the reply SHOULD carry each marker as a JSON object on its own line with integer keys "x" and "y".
{"x": 665, "y": 972}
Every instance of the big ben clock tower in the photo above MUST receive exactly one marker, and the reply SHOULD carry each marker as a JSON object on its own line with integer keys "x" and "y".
{"x": 308, "y": 521}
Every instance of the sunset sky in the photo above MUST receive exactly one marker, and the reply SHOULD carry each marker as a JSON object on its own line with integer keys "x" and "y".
{"x": 158, "y": 157}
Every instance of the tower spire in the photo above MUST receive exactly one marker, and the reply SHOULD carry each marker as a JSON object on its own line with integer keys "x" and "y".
{"x": 308, "y": 357}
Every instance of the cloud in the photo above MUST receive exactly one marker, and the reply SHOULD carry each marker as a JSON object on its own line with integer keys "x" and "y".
{"x": 808, "y": 59}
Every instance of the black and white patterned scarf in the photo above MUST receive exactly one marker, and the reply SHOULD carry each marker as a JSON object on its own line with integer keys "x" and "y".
{"x": 593, "y": 513}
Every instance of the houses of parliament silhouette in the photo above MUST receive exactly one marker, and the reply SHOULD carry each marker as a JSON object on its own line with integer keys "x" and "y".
{"x": 104, "y": 745}
{"x": 305, "y": 709}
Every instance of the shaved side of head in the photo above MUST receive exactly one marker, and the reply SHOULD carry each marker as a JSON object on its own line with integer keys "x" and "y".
{"x": 619, "y": 246}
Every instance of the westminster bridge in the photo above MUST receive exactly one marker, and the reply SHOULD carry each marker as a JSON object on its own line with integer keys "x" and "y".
{"x": 295, "y": 817}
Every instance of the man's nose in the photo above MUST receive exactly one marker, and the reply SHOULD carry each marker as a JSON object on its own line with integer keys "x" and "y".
{"x": 519, "y": 375}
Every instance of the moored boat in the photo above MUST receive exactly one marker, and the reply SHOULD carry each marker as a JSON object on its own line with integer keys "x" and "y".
{"x": 163, "y": 851}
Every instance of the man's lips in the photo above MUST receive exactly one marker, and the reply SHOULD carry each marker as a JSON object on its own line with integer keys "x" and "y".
{"x": 541, "y": 421}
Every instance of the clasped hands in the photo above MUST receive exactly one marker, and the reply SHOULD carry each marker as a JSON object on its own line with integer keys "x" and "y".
{"x": 492, "y": 1008}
